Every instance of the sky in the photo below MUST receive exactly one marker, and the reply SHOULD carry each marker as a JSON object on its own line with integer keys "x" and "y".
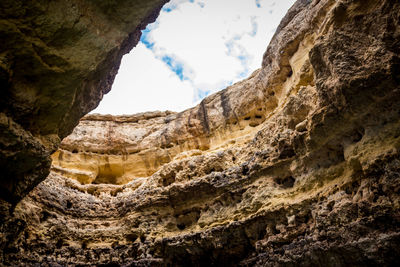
{"x": 193, "y": 49}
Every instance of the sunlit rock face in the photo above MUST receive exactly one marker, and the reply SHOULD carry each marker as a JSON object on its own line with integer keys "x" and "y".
{"x": 298, "y": 165}
{"x": 57, "y": 59}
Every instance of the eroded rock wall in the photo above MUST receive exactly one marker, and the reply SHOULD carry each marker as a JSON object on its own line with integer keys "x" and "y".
{"x": 57, "y": 60}
{"x": 298, "y": 165}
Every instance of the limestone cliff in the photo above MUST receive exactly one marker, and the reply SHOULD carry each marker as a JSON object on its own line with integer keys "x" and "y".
{"x": 298, "y": 165}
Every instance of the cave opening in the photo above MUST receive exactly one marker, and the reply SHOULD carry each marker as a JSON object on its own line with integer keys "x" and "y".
{"x": 109, "y": 174}
{"x": 170, "y": 69}
{"x": 175, "y": 65}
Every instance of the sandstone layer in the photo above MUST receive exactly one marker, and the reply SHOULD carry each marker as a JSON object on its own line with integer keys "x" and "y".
{"x": 57, "y": 59}
{"x": 298, "y": 165}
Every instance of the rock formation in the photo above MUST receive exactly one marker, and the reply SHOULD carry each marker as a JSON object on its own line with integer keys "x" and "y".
{"x": 298, "y": 165}
{"x": 57, "y": 59}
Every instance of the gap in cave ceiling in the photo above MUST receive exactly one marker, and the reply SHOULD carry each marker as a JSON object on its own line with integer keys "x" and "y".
{"x": 195, "y": 48}
{"x": 173, "y": 67}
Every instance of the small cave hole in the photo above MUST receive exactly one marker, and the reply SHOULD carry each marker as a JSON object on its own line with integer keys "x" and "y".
{"x": 273, "y": 230}
{"x": 84, "y": 244}
{"x": 330, "y": 205}
{"x": 45, "y": 216}
{"x": 258, "y": 117}
{"x": 352, "y": 188}
{"x": 286, "y": 182}
{"x": 75, "y": 151}
{"x": 115, "y": 192}
{"x": 167, "y": 180}
{"x": 109, "y": 174}
{"x": 132, "y": 237}
{"x": 247, "y": 118}
{"x": 26, "y": 235}
{"x": 181, "y": 226}
{"x": 69, "y": 204}
{"x": 59, "y": 243}
{"x": 142, "y": 238}
{"x": 290, "y": 73}
{"x": 358, "y": 135}
{"x": 287, "y": 152}
{"x": 245, "y": 169}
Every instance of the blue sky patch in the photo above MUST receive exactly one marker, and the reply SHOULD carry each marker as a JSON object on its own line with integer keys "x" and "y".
{"x": 254, "y": 27}
{"x": 167, "y": 9}
{"x": 258, "y": 3}
{"x": 176, "y": 66}
{"x": 146, "y": 40}
{"x": 202, "y": 94}
{"x": 244, "y": 73}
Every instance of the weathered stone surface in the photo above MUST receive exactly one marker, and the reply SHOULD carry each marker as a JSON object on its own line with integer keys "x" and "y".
{"x": 57, "y": 59}
{"x": 298, "y": 165}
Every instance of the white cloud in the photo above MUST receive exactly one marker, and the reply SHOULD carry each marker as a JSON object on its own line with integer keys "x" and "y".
{"x": 194, "y": 48}
{"x": 145, "y": 83}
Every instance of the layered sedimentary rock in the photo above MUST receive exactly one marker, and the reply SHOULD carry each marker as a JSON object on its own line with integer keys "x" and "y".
{"x": 57, "y": 59}
{"x": 298, "y": 165}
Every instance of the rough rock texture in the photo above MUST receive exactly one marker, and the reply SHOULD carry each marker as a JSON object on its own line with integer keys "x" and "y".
{"x": 57, "y": 59}
{"x": 298, "y": 165}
